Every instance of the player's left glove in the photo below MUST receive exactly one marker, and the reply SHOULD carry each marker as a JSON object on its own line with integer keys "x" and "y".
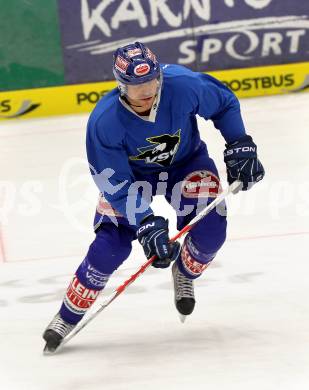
{"x": 153, "y": 236}
{"x": 242, "y": 163}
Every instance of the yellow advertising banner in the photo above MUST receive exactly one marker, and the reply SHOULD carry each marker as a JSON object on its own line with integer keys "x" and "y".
{"x": 76, "y": 99}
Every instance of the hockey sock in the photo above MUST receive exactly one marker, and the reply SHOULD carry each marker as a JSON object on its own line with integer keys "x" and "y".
{"x": 192, "y": 262}
{"x": 82, "y": 292}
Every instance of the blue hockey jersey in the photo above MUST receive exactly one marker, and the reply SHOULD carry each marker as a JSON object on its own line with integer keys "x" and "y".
{"x": 120, "y": 143}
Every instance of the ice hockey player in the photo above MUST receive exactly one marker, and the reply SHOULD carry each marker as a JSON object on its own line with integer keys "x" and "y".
{"x": 143, "y": 135}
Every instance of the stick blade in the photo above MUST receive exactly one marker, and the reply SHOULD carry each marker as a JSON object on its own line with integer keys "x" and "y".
{"x": 48, "y": 351}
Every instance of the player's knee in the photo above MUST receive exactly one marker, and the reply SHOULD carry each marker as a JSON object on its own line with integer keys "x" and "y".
{"x": 210, "y": 233}
{"x": 210, "y": 242}
{"x": 110, "y": 248}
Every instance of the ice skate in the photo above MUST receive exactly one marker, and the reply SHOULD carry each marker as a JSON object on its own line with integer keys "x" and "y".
{"x": 55, "y": 333}
{"x": 184, "y": 293}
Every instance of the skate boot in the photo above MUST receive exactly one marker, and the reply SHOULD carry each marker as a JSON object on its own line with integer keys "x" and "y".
{"x": 55, "y": 333}
{"x": 184, "y": 292}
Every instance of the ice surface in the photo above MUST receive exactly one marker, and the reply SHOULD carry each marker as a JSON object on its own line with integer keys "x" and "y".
{"x": 250, "y": 325}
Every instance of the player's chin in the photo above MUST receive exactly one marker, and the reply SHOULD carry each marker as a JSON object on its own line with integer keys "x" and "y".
{"x": 147, "y": 101}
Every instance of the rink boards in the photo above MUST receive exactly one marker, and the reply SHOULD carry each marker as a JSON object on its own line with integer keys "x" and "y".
{"x": 74, "y": 99}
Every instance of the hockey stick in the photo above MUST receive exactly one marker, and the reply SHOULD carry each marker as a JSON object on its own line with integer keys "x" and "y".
{"x": 232, "y": 188}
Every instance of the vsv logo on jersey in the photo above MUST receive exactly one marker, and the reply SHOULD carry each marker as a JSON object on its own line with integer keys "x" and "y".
{"x": 163, "y": 152}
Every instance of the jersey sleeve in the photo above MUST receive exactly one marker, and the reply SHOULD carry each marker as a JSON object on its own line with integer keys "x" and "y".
{"x": 213, "y": 100}
{"x": 108, "y": 163}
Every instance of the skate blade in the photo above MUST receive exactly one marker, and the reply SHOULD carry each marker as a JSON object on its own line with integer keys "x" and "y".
{"x": 182, "y": 318}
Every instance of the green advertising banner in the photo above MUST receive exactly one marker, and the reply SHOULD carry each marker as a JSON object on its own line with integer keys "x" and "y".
{"x": 30, "y": 48}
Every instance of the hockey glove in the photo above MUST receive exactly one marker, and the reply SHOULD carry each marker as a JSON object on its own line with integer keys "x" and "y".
{"x": 153, "y": 236}
{"x": 242, "y": 163}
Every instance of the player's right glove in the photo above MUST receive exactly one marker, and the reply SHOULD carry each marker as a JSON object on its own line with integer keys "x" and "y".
{"x": 153, "y": 236}
{"x": 242, "y": 163}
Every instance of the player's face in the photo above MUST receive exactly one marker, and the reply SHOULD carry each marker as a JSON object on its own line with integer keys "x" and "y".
{"x": 143, "y": 95}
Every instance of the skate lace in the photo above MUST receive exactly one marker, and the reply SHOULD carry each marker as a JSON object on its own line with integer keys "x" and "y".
{"x": 184, "y": 286}
{"x": 60, "y": 326}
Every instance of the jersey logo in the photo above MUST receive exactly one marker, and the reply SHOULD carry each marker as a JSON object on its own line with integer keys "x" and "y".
{"x": 163, "y": 152}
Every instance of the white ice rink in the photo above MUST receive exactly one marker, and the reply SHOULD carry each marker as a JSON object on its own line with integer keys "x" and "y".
{"x": 250, "y": 328}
